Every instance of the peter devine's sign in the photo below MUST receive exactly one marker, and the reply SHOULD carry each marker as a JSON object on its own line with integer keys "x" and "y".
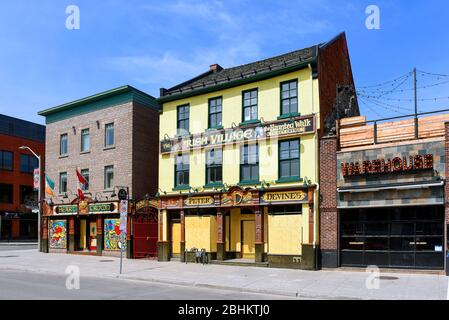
{"x": 281, "y": 128}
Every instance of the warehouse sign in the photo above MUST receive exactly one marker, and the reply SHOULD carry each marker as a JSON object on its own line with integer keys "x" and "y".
{"x": 285, "y": 197}
{"x": 388, "y": 166}
{"x": 276, "y": 129}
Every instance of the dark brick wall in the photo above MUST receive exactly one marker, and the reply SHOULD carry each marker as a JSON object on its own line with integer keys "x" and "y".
{"x": 446, "y": 185}
{"x": 334, "y": 68}
{"x": 145, "y": 150}
{"x": 328, "y": 202}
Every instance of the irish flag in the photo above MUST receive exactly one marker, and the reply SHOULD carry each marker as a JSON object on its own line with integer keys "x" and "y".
{"x": 81, "y": 184}
{"x": 49, "y": 186}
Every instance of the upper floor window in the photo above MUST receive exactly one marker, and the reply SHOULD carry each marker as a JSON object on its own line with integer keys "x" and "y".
{"x": 85, "y": 140}
{"x": 28, "y": 163}
{"x": 289, "y": 159}
{"x": 214, "y": 166}
{"x": 27, "y": 195}
{"x": 289, "y": 97}
{"x": 108, "y": 177}
{"x": 6, "y": 160}
{"x": 109, "y": 135}
{"x": 63, "y": 144}
{"x": 182, "y": 167}
{"x": 250, "y": 105}
{"x": 6, "y": 193}
{"x": 63, "y": 182}
{"x": 85, "y": 174}
{"x": 215, "y": 112}
{"x": 183, "y": 119}
{"x": 249, "y": 162}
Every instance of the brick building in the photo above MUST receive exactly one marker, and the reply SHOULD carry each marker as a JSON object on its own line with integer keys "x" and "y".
{"x": 111, "y": 138}
{"x": 18, "y": 199}
{"x": 384, "y": 193}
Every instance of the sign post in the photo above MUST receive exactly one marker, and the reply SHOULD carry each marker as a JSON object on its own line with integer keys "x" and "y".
{"x": 123, "y": 224}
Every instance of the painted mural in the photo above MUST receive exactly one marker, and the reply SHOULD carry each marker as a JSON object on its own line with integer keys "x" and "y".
{"x": 112, "y": 234}
{"x": 58, "y": 234}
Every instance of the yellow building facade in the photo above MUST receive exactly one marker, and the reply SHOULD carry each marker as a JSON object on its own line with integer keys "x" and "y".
{"x": 238, "y": 164}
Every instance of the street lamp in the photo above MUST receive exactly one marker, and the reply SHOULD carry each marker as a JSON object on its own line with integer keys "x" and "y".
{"x": 38, "y": 195}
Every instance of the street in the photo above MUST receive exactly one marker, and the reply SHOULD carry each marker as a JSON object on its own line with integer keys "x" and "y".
{"x": 37, "y": 286}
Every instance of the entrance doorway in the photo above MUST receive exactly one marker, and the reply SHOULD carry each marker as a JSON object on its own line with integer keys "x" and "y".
{"x": 407, "y": 237}
{"x": 248, "y": 237}
{"x": 87, "y": 234}
{"x": 175, "y": 232}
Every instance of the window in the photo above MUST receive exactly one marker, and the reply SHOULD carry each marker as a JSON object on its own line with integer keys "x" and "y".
{"x": 289, "y": 97}
{"x": 183, "y": 119}
{"x": 289, "y": 159}
{"x": 6, "y": 160}
{"x": 63, "y": 144}
{"x": 249, "y": 163}
{"x": 215, "y": 112}
{"x": 85, "y": 140}
{"x": 85, "y": 174}
{"x": 28, "y": 196}
{"x": 63, "y": 182}
{"x": 182, "y": 170}
{"x": 250, "y": 105}
{"x": 108, "y": 177}
{"x": 28, "y": 163}
{"x": 214, "y": 166}
{"x": 6, "y": 193}
{"x": 109, "y": 135}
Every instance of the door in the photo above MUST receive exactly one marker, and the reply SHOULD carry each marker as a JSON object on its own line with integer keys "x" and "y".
{"x": 176, "y": 239}
{"x": 248, "y": 239}
{"x": 145, "y": 233}
{"x": 93, "y": 236}
{"x": 82, "y": 241}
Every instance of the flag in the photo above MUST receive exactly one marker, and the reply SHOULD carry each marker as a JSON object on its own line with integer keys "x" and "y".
{"x": 81, "y": 184}
{"x": 49, "y": 186}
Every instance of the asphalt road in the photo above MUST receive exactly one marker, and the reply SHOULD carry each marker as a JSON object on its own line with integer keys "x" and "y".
{"x": 40, "y": 286}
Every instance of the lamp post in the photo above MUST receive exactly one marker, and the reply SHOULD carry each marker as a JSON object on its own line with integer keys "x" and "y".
{"x": 39, "y": 192}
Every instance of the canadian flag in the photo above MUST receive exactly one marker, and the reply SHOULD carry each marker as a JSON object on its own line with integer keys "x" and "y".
{"x": 81, "y": 183}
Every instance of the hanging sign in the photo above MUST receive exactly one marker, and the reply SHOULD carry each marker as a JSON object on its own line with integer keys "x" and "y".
{"x": 36, "y": 179}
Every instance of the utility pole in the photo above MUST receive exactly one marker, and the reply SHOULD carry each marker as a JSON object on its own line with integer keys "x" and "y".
{"x": 416, "y": 102}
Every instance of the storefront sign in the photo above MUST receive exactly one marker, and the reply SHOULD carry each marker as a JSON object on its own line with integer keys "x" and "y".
{"x": 64, "y": 210}
{"x": 103, "y": 208}
{"x": 199, "y": 201}
{"x": 282, "y": 128}
{"x": 382, "y": 166}
{"x": 285, "y": 196}
{"x": 236, "y": 198}
{"x": 146, "y": 204}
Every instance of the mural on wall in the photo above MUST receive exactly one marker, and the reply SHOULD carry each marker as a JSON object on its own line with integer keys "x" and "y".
{"x": 112, "y": 234}
{"x": 58, "y": 234}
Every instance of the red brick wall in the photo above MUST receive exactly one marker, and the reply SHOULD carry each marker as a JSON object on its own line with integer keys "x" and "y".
{"x": 15, "y": 177}
{"x": 328, "y": 194}
{"x": 334, "y": 68}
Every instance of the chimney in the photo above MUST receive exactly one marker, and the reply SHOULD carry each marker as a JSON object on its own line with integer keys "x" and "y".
{"x": 215, "y": 67}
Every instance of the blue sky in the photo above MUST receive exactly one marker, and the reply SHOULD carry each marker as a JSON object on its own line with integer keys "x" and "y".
{"x": 152, "y": 44}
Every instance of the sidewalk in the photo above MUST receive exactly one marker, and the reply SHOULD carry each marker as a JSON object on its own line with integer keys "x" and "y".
{"x": 18, "y": 243}
{"x": 292, "y": 283}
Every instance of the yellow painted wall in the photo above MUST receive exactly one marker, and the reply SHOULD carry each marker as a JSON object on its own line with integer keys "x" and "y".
{"x": 268, "y": 109}
{"x": 284, "y": 234}
{"x": 201, "y": 232}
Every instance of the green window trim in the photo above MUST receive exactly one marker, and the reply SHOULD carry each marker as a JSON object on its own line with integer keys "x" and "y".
{"x": 245, "y": 123}
{"x": 289, "y": 179}
{"x": 182, "y": 187}
{"x": 213, "y": 185}
{"x": 250, "y": 106}
{"x": 249, "y": 183}
{"x": 289, "y": 115}
{"x": 289, "y": 159}
{"x": 281, "y": 99}
{"x": 218, "y": 102}
{"x": 215, "y": 128}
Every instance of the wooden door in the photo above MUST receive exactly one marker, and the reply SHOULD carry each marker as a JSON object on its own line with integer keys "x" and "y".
{"x": 248, "y": 239}
{"x": 176, "y": 239}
